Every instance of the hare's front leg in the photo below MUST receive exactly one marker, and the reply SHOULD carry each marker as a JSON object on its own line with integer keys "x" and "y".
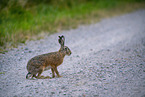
{"x": 56, "y": 71}
{"x": 53, "y": 74}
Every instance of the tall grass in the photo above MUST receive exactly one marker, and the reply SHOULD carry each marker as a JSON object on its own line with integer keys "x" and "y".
{"x": 19, "y": 22}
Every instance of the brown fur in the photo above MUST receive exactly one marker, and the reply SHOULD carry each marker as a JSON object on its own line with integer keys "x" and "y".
{"x": 52, "y": 60}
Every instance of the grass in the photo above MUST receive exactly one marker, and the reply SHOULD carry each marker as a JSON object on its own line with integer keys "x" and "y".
{"x": 17, "y": 24}
{"x": 2, "y": 72}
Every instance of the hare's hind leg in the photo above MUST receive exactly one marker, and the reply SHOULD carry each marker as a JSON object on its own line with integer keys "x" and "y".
{"x": 42, "y": 77}
{"x": 39, "y": 74}
{"x": 34, "y": 76}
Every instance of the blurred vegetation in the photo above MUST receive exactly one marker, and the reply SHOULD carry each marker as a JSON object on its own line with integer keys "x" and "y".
{"x": 22, "y": 20}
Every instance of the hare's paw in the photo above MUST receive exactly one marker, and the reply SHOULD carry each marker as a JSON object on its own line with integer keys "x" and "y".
{"x": 53, "y": 76}
{"x": 40, "y": 77}
{"x": 47, "y": 77}
{"x": 44, "y": 77}
{"x": 59, "y": 76}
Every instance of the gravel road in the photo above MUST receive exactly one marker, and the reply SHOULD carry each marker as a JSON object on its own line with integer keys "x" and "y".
{"x": 108, "y": 60}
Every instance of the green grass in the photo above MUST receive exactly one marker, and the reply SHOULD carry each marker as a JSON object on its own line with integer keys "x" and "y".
{"x": 2, "y": 72}
{"x": 18, "y": 24}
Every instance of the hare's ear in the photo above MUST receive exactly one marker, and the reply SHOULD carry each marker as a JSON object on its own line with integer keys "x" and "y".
{"x": 61, "y": 40}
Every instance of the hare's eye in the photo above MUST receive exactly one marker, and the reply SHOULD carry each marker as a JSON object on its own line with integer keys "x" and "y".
{"x": 65, "y": 48}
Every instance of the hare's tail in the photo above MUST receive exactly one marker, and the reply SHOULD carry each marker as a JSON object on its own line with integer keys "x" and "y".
{"x": 27, "y": 75}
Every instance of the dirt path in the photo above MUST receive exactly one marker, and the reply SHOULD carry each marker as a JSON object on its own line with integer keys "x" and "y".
{"x": 108, "y": 60}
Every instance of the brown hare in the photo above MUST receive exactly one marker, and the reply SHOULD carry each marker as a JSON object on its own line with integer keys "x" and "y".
{"x": 40, "y": 63}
